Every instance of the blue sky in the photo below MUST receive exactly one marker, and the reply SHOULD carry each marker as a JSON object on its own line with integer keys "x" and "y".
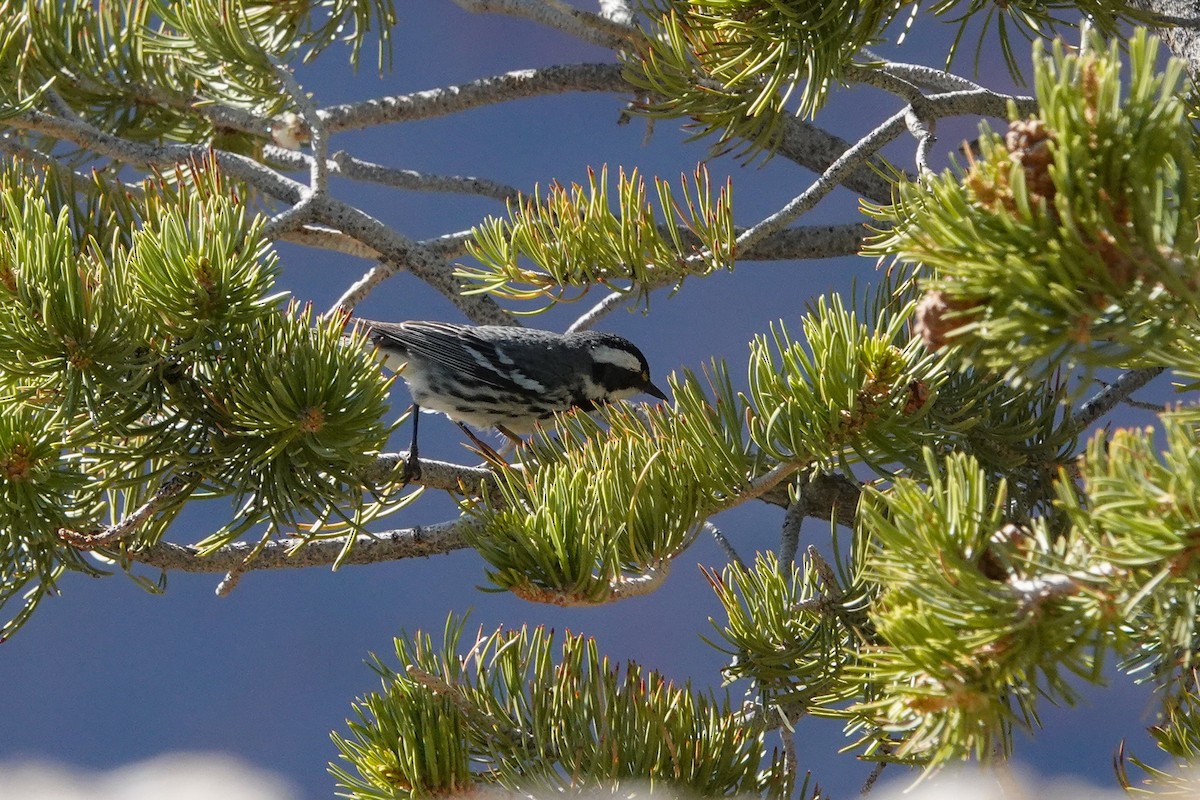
{"x": 106, "y": 675}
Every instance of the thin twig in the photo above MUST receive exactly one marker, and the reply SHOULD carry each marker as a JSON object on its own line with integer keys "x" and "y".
{"x": 492, "y": 90}
{"x": 174, "y": 487}
{"x": 292, "y": 552}
{"x": 318, "y": 138}
{"x": 1107, "y": 398}
{"x": 789, "y": 538}
{"x": 357, "y": 169}
{"x": 318, "y": 178}
{"x": 346, "y": 166}
{"x": 592, "y": 28}
{"x": 725, "y": 544}
{"x": 855, "y": 156}
{"x": 922, "y": 130}
{"x": 593, "y": 315}
{"x": 869, "y": 783}
{"x": 762, "y": 484}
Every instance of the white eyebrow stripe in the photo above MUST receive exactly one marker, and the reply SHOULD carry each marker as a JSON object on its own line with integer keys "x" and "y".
{"x": 620, "y": 358}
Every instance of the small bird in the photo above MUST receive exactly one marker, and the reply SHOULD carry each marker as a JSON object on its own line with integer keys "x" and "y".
{"x": 508, "y": 378}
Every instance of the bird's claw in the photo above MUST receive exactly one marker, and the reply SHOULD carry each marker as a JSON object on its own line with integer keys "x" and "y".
{"x": 411, "y": 471}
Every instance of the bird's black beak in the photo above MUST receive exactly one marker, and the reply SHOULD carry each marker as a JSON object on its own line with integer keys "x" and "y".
{"x": 651, "y": 389}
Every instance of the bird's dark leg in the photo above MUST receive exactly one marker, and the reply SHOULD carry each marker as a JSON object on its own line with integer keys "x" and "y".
{"x": 412, "y": 465}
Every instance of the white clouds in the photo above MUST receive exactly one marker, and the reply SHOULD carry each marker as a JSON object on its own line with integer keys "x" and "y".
{"x": 212, "y": 776}
{"x": 179, "y": 776}
{"x": 981, "y": 785}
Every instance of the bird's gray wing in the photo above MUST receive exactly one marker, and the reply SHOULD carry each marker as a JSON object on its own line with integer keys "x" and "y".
{"x": 487, "y": 355}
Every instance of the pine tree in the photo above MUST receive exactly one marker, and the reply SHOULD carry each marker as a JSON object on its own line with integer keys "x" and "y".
{"x": 993, "y": 544}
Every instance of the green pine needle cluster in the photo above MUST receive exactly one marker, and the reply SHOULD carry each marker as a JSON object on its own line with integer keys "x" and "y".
{"x": 970, "y": 631}
{"x": 794, "y": 630}
{"x": 949, "y": 623}
{"x": 1033, "y": 20}
{"x": 596, "y": 504}
{"x": 736, "y": 68}
{"x": 732, "y": 65}
{"x": 163, "y": 354}
{"x": 1140, "y": 515}
{"x": 576, "y": 240}
{"x": 508, "y": 714}
{"x": 841, "y": 389}
{"x": 141, "y": 70}
{"x": 1073, "y": 239}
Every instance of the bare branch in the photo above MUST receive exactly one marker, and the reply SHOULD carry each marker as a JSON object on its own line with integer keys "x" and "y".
{"x": 869, "y": 783}
{"x": 402, "y": 253}
{"x": 921, "y": 75}
{"x": 105, "y": 144}
{"x": 347, "y": 166}
{"x": 593, "y": 28}
{"x": 807, "y": 242}
{"x": 171, "y": 489}
{"x": 854, "y": 157}
{"x": 1110, "y": 396}
{"x": 981, "y": 101}
{"x": 1179, "y": 29}
{"x": 816, "y": 149}
{"x": 291, "y": 552}
{"x": 789, "y": 537}
{"x": 762, "y": 484}
{"x": 725, "y": 544}
{"x": 922, "y": 130}
{"x": 322, "y": 238}
{"x": 881, "y": 79}
{"x": 434, "y": 474}
{"x": 589, "y": 318}
{"x": 354, "y": 168}
{"x": 448, "y": 100}
{"x": 829, "y": 497}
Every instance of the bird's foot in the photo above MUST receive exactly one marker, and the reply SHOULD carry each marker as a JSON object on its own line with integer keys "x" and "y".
{"x": 412, "y": 469}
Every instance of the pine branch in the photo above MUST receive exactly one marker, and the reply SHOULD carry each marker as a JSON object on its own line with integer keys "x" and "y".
{"x": 172, "y": 489}
{"x": 1112, "y": 395}
{"x": 515, "y": 85}
{"x": 397, "y": 249}
{"x": 295, "y": 552}
{"x": 599, "y": 30}
{"x": 853, "y": 158}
